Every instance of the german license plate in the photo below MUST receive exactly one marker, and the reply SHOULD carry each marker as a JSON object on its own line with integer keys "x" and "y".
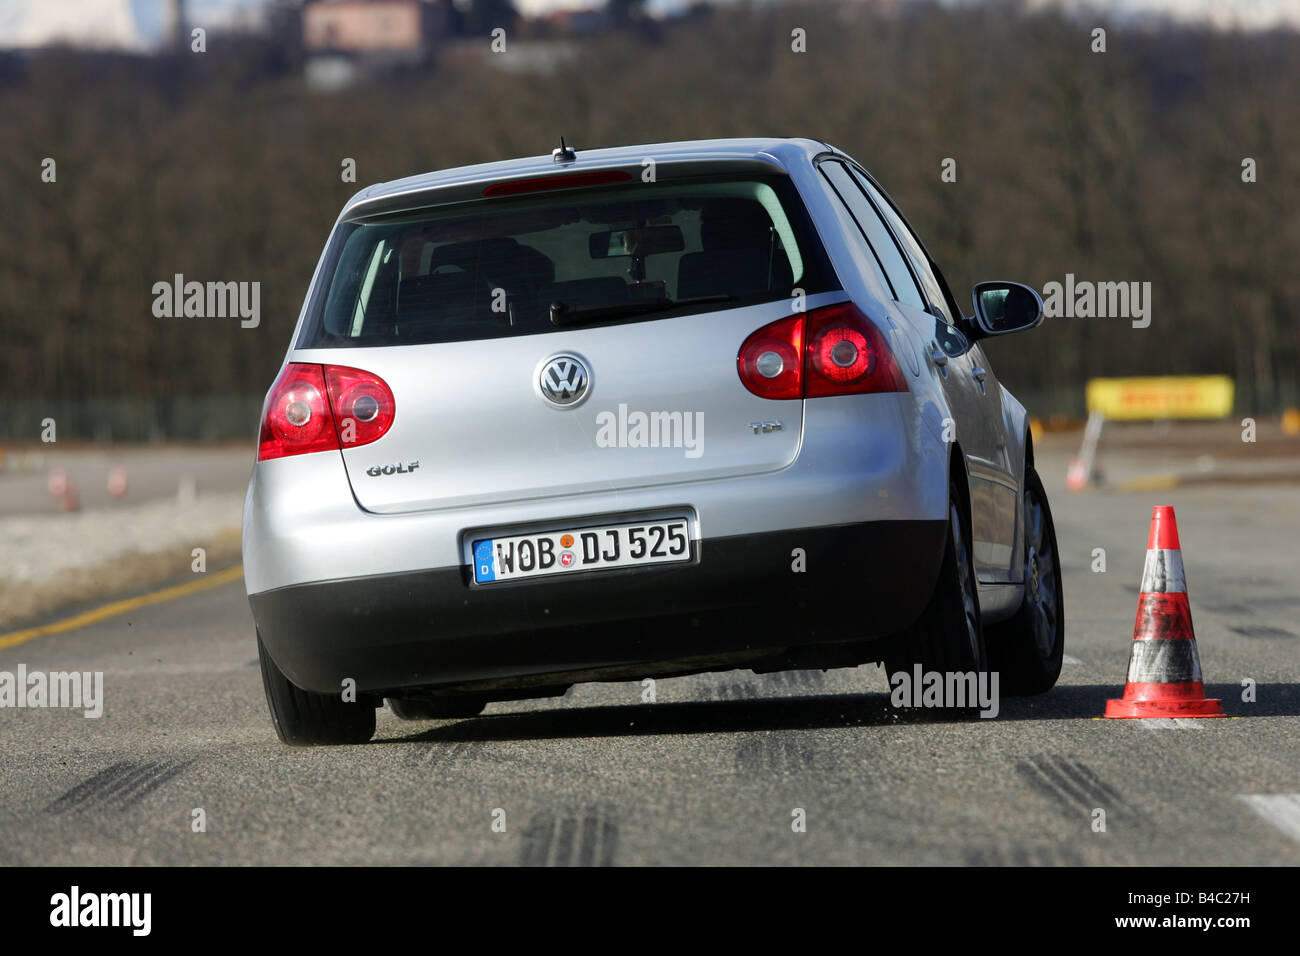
{"x": 583, "y": 549}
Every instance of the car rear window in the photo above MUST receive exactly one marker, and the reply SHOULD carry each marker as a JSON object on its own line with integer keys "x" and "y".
{"x": 499, "y": 267}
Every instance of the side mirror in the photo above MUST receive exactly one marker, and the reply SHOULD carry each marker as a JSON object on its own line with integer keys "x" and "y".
{"x": 1003, "y": 307}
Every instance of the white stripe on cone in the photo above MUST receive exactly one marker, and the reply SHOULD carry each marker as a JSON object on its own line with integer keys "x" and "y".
{"x": 1163, "y": 572}
{"x": 1164, "y": 661}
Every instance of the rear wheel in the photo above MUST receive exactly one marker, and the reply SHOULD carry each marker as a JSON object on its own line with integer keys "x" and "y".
{"x": 949, "y": 636}
{"x": 1027, "y": 649}
{"x": 304, "y": 719}
{"x": 414, "y": 708}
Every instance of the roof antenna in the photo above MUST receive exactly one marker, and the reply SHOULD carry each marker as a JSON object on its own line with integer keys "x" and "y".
{"x": 565, "y": 154}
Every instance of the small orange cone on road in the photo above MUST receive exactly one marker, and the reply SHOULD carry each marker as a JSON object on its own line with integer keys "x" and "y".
{"x": 1076, "y": 475}
{"x": 58, "y": 483}
{"x": 117, "y": 481}
{"x": 1164, "y": 670}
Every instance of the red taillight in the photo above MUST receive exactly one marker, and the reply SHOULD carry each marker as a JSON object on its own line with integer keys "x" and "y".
{"x": 771, "y": 360}
{"x": 848, "y": 355}
{"x": 323, "y": 408}
{"x": 839, "y": 352}
{"x": 362, "y": 402}
{"x": 296, "y": 417}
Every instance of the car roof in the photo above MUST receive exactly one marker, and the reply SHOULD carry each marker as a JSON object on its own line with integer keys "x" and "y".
{"x": 771, "y": 151}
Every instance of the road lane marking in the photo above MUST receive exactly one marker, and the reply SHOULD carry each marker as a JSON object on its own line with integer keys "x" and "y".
{"x": 1170, "y": 723}
{"x": 1070, "y": 659}
{"x": 1147, "y": 720}
{"x": 14, "y": 638}
{"x": 1281, "y": 809}
{"x": 1149, "y": 483}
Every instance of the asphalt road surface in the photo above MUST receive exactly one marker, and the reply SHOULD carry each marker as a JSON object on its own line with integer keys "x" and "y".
{"x": 712, "y": 772}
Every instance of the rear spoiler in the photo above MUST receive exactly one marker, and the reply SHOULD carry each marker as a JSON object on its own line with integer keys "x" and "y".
{"x": 584, "y": 175}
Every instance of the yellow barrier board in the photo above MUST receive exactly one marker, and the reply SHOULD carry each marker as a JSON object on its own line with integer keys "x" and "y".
{"x": 1158, "y": 397}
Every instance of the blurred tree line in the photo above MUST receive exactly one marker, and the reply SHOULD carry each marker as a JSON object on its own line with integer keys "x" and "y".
{"x": 1117, "y": 166}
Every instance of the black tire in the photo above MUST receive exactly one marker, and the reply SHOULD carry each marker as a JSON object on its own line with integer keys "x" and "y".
{"x": 949, "y": 636}
{"x": 413, "y": 708}
{"x": 304, "y": 719}
{"x": 1026, "y": 650}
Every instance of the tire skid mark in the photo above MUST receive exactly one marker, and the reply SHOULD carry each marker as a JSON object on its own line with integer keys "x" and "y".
{"x": 1051, "y": 855}
{"x": 1261, "y": 630}
{"x": 1284, "y": 600}
{"x": 459, "y": 753}
{"x": 1247, "y": 580}
{"x": 798, "y": 680}
{"x": 439, "y": 754}
{"x": 119, "y": 786}
{"x": 1072, "y": 784}
{"x": 774, "y": 754}
{"x": 586, "y": 839}
{"x": 742, "y": 690}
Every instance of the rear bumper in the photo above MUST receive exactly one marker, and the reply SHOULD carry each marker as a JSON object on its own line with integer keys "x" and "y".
{"x": 738, "y": 601}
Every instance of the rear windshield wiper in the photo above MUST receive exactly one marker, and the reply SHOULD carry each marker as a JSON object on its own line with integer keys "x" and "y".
{"x": 562, "y": 314}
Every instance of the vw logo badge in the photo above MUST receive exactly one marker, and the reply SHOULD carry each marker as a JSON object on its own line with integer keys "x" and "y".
{"x": 564, "y": 381}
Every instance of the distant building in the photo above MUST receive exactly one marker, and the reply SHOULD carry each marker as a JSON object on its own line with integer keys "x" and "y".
{"x": 577, "y": 22}
{"x": 364, "y": 27}
{"x": 343, "y": 39}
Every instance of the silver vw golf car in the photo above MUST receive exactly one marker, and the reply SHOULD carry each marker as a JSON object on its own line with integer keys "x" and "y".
{"x": 638, "y": 412}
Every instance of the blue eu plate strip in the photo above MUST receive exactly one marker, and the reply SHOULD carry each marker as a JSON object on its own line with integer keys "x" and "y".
{"x": 484, "y": 562}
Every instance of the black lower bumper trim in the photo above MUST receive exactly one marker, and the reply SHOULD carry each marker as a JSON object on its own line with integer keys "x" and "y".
{"x": 741, "y": 596}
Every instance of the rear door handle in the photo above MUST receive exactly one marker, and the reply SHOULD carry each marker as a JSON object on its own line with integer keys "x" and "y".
{"x": 939, "y": 360}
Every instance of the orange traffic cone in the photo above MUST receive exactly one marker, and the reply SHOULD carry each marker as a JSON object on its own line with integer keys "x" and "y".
{"x": 1076, "y": 476}
{"x": 1164, "y": 671}
{"x": 58, "y": 483}
{"x": 117, "y": 481}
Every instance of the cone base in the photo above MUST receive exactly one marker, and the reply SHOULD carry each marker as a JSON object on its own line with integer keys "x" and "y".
{"x": 1168, "y": 707}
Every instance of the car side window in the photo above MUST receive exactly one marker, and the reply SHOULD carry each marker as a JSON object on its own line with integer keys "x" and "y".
{"x": 935, "y": 289}
{"x": 875, "y": 233}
